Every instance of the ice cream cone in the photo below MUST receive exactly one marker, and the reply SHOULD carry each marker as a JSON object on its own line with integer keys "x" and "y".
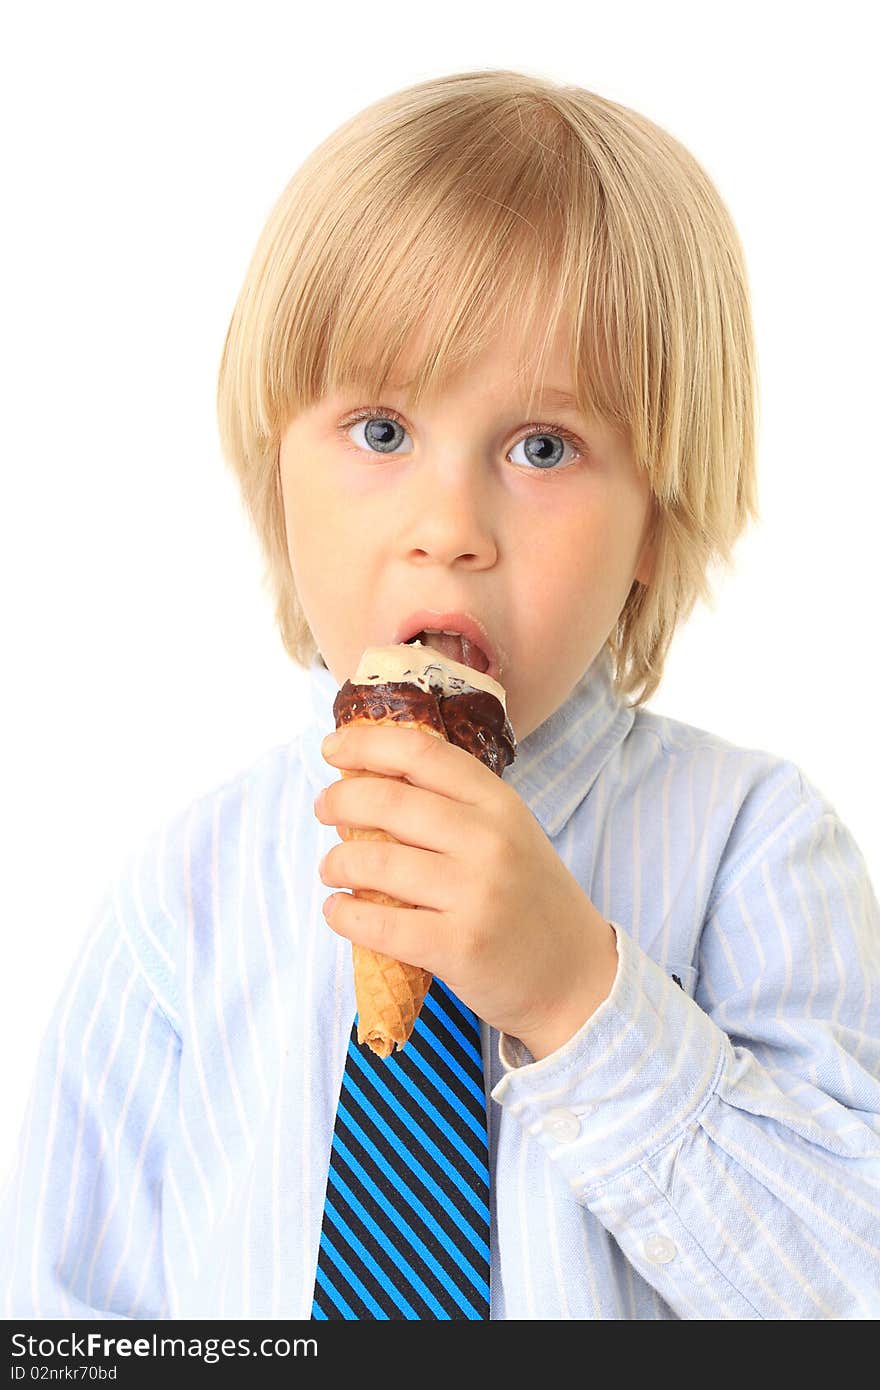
{"x": 413, "y": 687}
{"x": 389, "y": 993}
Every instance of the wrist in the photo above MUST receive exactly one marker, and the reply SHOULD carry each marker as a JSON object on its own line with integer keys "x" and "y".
{"x": 587, "y": 987}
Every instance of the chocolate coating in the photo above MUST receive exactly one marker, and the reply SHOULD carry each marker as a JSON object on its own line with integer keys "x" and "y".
{"x": 473, "y": 719}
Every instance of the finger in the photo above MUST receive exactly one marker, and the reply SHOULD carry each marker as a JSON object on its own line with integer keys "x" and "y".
{"x": 405, "y": 933}
{"x": 426, "y": 820}
{"x": 421, "y": 758}
{"x": 414, "y": 877}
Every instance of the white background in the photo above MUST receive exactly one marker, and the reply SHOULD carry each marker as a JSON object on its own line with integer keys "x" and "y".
{"x": 144, "y": 147}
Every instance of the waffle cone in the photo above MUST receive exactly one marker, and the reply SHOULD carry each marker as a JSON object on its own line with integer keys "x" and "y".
{"x": 389, "y": 992}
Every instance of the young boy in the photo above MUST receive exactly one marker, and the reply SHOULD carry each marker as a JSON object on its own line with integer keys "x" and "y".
{"x": 492, "y": 361}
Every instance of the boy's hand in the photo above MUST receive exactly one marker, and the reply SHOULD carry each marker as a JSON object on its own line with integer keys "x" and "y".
{"x": 496, "y": 914}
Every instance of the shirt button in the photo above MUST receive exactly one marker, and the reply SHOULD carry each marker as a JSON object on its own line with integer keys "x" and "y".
{"x": 562, "y": 1125}
{"x": 660, "y": 1250}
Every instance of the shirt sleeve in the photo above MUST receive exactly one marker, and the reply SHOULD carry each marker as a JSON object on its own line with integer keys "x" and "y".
{"x": 81, "y": 1213}
{"x": 730, "y": 1141}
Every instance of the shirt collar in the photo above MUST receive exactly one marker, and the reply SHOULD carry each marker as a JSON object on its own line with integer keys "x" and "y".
{"x": 555, "y": 767}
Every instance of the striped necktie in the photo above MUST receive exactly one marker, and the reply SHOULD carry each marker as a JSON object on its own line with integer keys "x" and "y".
{"x": 405, "y": 1232}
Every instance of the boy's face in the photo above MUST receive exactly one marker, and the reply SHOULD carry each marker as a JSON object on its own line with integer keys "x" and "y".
{"x": 460, "y": 516}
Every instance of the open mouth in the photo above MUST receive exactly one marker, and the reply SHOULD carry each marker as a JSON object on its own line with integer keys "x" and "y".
{"x": 455, "y": 646}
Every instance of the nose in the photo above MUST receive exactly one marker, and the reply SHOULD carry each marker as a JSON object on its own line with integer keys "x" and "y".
{"x": 450, "y": 515}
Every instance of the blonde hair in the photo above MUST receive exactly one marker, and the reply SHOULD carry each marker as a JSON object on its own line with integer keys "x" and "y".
{"x": 481, "y": 198}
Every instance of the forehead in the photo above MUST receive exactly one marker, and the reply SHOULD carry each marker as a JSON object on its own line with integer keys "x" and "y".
{"x": 513, "y": 360}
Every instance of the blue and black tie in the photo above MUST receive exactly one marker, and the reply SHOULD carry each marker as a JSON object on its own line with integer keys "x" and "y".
{"x": 405, "y": 1232}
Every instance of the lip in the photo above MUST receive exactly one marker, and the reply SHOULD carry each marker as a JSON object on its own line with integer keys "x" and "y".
{"x": 465, "y": 623}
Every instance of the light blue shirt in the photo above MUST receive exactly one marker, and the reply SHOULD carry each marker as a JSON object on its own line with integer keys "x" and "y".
{"x": 704, "y": 1151}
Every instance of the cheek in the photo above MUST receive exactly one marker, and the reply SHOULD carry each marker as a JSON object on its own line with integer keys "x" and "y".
{"x": 574, "y": 577}
{"x": 600, "y": 539}
{"x": 567, "y": 558}
{"x": 332, "y": 559}
{"x": 316, "y": 519}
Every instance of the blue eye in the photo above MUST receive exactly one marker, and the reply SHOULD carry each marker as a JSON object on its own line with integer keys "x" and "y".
{"x": 544, "y": 451}
{"x": 382, "y": 433}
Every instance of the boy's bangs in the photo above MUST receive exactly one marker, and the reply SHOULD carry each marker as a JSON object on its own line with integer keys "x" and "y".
{"x": 416, "y": 325}
{"x": 496, "y": 230}
{"x": 413, "y": 296}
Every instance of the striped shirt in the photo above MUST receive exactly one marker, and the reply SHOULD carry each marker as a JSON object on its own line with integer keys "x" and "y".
{"x": 707, "y": 1145}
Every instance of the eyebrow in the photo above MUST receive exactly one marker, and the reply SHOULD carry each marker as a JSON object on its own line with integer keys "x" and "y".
{"x": 550, "y": 395}
{"x": 554, "y": 395}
